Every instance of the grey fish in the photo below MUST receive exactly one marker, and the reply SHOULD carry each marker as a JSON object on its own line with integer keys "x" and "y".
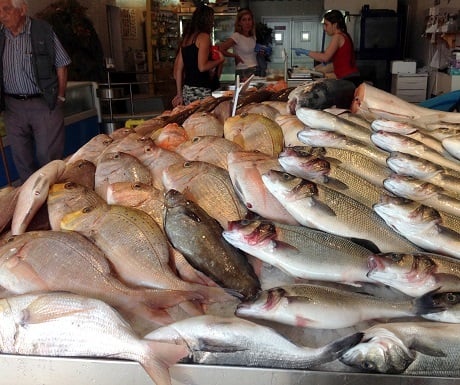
{"x": 450, "y": 301}
{"x": 215, "y": 340}
{"x": 300, "y": 251}
{"x": 323, "y": 307}
{"x": 199, "y": 238}
{"x": 412, "y": 348}
{"x": 320, "y": 207}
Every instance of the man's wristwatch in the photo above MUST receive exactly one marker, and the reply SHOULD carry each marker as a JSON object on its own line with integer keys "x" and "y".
{"x": 61, "y": 98}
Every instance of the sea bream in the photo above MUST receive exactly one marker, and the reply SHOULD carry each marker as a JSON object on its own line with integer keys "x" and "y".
{"x": 323, "y": 307}
{"x": 300, "y": 251}
{"x": 67, "y": 325}
{"x": 415, "y": 274}
{"x": 322, "y": 208}
{"x": 420, "y": 224}
{"x": 215, "y": 340}
{"x": 409, "y": 348}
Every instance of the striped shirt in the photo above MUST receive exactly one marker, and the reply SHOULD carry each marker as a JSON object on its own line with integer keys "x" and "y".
{"x": 18, "y": 71}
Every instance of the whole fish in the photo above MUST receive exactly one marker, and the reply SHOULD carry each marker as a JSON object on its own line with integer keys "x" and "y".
{"x": 321, "y": 94}
{"x": 300, "y": 251}
{"x": 406, "y": 164}
{"x": 66, "y": 261}
{"x": 203, "y": 124}
{"x": 290, "y": 125}
{"x": 452, "y": 145}
{"x": 319, "y": 207}
{"x": 92, "y": 149}
{"x": 137, "y": 195}
{"x": 424, "y": 192}
{"x": 132, "y": 144}
{"x": 304, "y": 164}
{"x": 119, "y": 167}
{"x": 255, "y": 132}
{"x": 64, "y": 198}
{"x": 68, "y": 325}
{"x": 215, "y": 340}
{"x": 199, "y": 238}
{"x": 374, "y": 103}
{"x": 211, "y": 149}
{"x": 8, "y": 199}
{"x": 323, "y": 307}
{"x": 33, "y": 194}
{"x": 409, "y": 348}
{"x": 170, "y": 136}
{"x": 259, "y": 108}
{"x": 415, "y": 274}
{"x": 390, "y": 141}
{"x": 81, "y": 171}
{"x": 208, "y": 186}
{"x": 403, "y": 128}
{"x": 420, "y": 224}
{"x": 141, "y": 255}
{"x": 245, "y": 169}
{"x": 323, "y": 120}
{"x": 321, "y": 138}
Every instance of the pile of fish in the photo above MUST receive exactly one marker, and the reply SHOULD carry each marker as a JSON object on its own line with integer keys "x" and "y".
{"x": 287, "y": 236}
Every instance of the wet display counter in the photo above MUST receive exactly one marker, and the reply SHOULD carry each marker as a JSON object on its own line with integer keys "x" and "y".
{"x": 26, "y": 370}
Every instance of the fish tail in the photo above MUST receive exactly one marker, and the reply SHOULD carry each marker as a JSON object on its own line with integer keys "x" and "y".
{"x": 336, "y": 348}
{"x": 214, "y": 294}
{"x": 160, "y": 357}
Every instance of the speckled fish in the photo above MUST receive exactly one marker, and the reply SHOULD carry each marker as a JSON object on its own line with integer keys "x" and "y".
{"x": 322, "y": 307}
{"x": 214, "y": 340}
{"x": 119, "y": 167}
{"x": 415, "y": 274}
{"x": 374, "y": 103}
{"x": 290, "y": 125}
{"x": 390, "y": 141}
{"x": 208, "y": 186}
{"x": 169, "y": 136}
{"x": 203, "y": 124}
{"x": 67, "y": 325}
{"x": 132, "y": 144}
{"x": 323, "y": 120}
{"x": 64, "y": 198}
{"x": 211, "y": 149}
{"x": 33, "y": 194}
{"x": 409, "y": 348}
{"x": 39, "y": 261}
{"x": 321, "y": 94}
{"x": 321, "y": 138}
{"x": 420, "y": 224}
{"x": 300, "y": 251}
{"x": 92, "y": 149}
{"x": 121, "y": 133}
{"x": 322, "y": 208}
{"x": 424, "y": 192}
{"x": 81, "y": 171}
{"x": 259, "y": 108}
{"x": 8, "y": 199}
{"x": 199, "y": 238}
{"x": 141, "y": 255}
{"x": 137, "y": 195}
{"x": 245, "y": 169}
{"x": 255, "y": 132}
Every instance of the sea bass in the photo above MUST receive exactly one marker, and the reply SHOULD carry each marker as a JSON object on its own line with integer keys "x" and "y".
{"x": 215, "y": 340}
{"x": 199, "y": 238}
{"x": 322, "y": 307}
{"x": 68, "y": 325}
{"x": 409, "y": 348}
{"x": 319, "y": 207}
{"x": 415, "y": 274}
{"x": 300, "y": 251}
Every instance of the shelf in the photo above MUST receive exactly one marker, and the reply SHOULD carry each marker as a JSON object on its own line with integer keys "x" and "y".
{"x": 448, "y": 37}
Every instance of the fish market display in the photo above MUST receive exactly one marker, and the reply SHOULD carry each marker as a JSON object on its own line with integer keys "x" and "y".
{"x": 320, "y": 222}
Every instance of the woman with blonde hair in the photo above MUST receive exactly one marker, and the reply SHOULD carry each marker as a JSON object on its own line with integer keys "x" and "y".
{"x": 242, "y": 44}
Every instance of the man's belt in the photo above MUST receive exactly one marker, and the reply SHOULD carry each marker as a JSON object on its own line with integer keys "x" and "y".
{"x": 24, "y": 96}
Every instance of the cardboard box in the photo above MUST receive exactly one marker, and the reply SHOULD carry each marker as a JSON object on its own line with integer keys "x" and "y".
{"x": 403, "y": 67}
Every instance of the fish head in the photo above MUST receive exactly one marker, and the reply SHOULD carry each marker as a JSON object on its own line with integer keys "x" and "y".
{"x": 83, "y": 220}
{"x": 384, "y": 353}
{"x": 289, "y": 186}
{"x": 406, "y": 164}
{"x": 320, "y": 138}
{"x": 251, "y": 232}
{"x": 304, "y": 163}
{"x": 263, "y": 303}
{"x": 412, "y": 274}
{"x": 129, "y": 193}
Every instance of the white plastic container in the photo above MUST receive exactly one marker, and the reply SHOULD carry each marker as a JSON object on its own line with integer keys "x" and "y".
{"x": 403, "y": 67}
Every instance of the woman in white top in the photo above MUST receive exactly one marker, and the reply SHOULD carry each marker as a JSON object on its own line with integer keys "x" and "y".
{"x": 242, "y": 44}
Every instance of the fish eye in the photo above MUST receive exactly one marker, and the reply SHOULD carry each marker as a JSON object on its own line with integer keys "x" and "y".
{"x": 367, "y": 365}
{"x": 287, "y": 176}
{"x": 451, "y": 297}
{"x": 136, "y": 186}
{"x": 70, "y": 185}
{"x": 187, "y": 164}
{"x": 196, "y": 139}
{"x": 87, "y": 209}
{"x": 395, "y": 257}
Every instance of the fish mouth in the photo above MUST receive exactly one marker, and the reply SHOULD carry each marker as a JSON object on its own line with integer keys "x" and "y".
{"x": 374, "y": 264}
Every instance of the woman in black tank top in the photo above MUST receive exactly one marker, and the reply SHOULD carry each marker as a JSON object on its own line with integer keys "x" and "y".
{"x": 194, "y": 68}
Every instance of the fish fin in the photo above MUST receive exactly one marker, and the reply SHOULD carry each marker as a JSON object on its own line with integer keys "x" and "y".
{"x": 426, "y": 304}
{"x": 422, "y": 347}
{"x": 324, "y": 207}
{"x": 216, "y": 346}
{"x": 160, "y": 357}
{"x": 336, "y": 348}
{"x": 336, "y": 184}
{"x": 297, "y": 299}
{"x": 366, "y": 243}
